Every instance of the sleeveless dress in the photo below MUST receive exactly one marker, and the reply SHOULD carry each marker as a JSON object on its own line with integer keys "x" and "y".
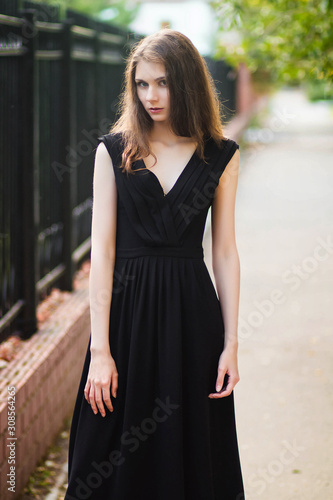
{"x": 166, "y": 439}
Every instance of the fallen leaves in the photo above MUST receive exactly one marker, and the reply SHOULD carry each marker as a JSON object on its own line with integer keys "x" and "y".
{"x": 45, "y": 309}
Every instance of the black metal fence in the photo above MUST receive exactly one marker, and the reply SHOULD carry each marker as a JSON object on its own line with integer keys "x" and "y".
{"x": 60, "y": 81}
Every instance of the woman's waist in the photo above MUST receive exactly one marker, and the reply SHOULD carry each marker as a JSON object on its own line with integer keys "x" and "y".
{"x": 160, "y": 251}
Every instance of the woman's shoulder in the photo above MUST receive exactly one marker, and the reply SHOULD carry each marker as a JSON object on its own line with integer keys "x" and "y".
{"x": 113, "y": 144}
{"x": 226, "y": 143}
{"x": 221, "y": 146}
{"x": 111, "y": 139}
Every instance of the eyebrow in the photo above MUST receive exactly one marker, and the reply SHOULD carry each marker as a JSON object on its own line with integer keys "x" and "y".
{"x": 156, "y": 79}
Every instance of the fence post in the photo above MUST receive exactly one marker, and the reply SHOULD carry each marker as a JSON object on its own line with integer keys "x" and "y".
{"x": 98, "y": 96}
{"x": 67, "y": 177}
{"x": 29, "y": 178}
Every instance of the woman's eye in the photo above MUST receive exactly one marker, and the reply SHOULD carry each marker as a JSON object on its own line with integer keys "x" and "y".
{"x": 162, "y": 83}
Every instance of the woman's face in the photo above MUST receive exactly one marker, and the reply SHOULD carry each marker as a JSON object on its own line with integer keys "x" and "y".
{"x": 152, "y": 90}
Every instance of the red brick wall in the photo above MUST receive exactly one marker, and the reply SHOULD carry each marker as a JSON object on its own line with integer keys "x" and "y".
{"x": 45, "y": 373}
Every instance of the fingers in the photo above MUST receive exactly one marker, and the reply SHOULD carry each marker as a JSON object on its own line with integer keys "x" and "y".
{"x": 114, "y": 382}
{"x": 107, "y": 400}
{"x": 97, "y": 394}
{"x": 227, "y": 390}
{"x": 221, "y": 373}
{"x": 92, "y": 399}
{"x": 89, "y": 394}
{"x": 86, "y": 390}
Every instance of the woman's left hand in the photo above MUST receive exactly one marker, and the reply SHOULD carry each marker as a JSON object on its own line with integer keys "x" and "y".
{"x": 227, "y": 366}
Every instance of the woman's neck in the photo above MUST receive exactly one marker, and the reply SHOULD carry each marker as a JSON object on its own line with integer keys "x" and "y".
{"x": 161, "y": 132}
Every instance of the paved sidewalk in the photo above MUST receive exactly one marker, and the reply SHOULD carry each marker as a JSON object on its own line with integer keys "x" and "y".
{"x": 284, "y": 223}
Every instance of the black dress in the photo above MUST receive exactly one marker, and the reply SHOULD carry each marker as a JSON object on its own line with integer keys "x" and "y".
{"x": 165, "y": 440}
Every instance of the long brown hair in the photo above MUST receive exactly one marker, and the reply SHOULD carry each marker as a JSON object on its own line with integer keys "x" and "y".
{"x": 195, "y": 110}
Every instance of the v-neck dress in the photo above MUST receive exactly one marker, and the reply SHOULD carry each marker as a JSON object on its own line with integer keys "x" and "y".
{"x": 166, "y": 439}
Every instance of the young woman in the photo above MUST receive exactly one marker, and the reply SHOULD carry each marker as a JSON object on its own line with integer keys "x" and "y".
{"x": 154, "y": 417}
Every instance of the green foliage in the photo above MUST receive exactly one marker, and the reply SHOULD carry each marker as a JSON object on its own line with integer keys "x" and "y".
{"x": 319, "y": 89}
{"x": 292, "y": 40}
{"x": 120, "y": 12}
{"x": 87, "y": 6}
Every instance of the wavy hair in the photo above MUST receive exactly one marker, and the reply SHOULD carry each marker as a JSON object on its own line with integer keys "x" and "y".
{"x": 195, "y": 110}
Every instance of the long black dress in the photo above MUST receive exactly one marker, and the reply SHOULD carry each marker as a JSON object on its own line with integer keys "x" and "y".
{"x": 165, "y": 440}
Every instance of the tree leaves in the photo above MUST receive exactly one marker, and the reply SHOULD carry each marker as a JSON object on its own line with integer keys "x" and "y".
{"x": 291, "y": 39}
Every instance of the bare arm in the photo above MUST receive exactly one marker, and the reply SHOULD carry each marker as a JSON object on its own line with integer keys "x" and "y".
{"x": 226, "y": 268}
{"x": 103, "y": 237}
{"x": 102, "y": 371}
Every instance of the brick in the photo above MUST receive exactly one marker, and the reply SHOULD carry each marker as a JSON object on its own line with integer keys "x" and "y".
{"x": 34, "y": 455}
{"x": 25, "y": 418}
{"x": 22, "y": 450}
{"x": 5, "y": 462}
{"x": 19, "y": 423}
{"x": 2, "y": 448}
{"x": 29, "y": 383}
{"x": 20, "y": 397}
{"x": 3, "y": 484}
{"x": 3, "y": 418}
{"x": 28, "y": 440}
{"x": 46, "y": 380}
{"x": 28, "y": 413}
{"x": 33, "y": 431}
{"x": 33, "y": 380}
{"x": 36, "y": 403}
{"x": 27, "y": 388}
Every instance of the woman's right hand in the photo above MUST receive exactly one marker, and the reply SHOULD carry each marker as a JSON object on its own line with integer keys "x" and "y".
{"x": 102, "y": 378}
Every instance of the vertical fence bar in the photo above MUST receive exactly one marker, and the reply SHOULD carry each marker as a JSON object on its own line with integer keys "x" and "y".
{"x": 67, "y": 177}
{"x": 28, "y": 178}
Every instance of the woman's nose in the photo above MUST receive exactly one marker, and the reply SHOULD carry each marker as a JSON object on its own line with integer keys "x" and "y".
{"x": 151, "y": 94}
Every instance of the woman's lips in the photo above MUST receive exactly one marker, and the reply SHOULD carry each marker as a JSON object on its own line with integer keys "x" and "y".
{"x": 155, "y": 110}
